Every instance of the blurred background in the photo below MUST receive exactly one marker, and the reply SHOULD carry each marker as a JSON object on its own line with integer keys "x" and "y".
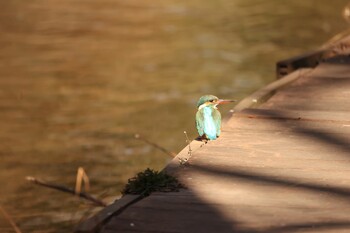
{"x": 79, "y": 78}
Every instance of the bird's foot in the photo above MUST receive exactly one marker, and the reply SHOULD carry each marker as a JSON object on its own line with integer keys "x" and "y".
{"x": 203, "y": 138}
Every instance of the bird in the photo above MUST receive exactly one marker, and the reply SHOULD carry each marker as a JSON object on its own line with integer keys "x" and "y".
{"x": 208, "y": 117}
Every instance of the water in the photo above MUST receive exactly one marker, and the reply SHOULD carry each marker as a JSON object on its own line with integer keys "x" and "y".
{"x": 79, "y": 78}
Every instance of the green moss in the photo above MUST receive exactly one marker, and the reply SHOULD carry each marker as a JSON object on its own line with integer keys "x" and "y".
{"x": 148, "y": 181}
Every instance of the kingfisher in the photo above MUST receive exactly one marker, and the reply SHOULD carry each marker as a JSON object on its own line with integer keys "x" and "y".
{"x": 208, "y": 117}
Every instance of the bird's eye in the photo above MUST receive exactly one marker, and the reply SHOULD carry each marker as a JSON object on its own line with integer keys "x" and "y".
{"x": 211, "y": 100}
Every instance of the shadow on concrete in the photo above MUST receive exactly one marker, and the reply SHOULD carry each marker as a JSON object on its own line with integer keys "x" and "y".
{"x": 236, "y": 172}
{"x": 187, "y": 212}
{"x": 181, "y": 212}
{"x": 330, "y": 139}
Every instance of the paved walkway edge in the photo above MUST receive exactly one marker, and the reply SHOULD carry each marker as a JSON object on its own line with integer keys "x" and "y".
{"x": 93, "y": 224}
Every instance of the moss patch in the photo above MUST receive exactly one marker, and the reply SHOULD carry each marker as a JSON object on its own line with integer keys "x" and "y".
{"x": 148, "y": 181}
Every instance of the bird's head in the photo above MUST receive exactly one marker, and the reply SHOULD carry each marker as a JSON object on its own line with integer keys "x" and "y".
{"x": 211, "y": 100}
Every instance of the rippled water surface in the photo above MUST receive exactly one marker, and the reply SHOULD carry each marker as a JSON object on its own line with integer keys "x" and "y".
{"x": 79, "y": 78}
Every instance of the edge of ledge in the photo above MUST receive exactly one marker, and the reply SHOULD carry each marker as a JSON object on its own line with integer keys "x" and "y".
{"x": 94, "y": 223}
{"x": 263, "y": 94}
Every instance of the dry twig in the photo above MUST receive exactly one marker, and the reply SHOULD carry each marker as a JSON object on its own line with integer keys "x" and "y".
{"x": 62, "y": 188}
{"x": 189, "y": 153}
{"x": 82, "y": 178}
{"x": 189, "y": 144}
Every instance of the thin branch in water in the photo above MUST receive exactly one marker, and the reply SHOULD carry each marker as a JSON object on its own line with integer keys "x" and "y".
{"x": 82, "y": 178}
{"x": 62, "y": 188}
{"x": 10, "y": 220}
{"x": 155, "y": 145}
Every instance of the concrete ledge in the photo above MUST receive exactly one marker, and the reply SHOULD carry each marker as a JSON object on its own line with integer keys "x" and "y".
{"x": 93, "y": 224}
{"x": 338, "y": 45}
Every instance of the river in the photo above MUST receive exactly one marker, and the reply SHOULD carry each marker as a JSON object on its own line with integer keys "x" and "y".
{"x": 78, "y": 79}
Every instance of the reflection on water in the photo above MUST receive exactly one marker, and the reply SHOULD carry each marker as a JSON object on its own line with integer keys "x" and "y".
{"x": 79, "y": 78}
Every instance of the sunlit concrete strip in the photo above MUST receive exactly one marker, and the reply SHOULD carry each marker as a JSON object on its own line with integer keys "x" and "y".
{"x": 280, "y": 169}
{"x": 263, "y": 94}
{"x": 258, "y": 97}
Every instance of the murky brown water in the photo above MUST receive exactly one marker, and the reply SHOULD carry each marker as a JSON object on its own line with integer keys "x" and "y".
{"x": 79, "y": 78}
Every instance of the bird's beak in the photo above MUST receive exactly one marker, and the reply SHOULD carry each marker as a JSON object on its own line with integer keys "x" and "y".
{"x": 220, "y": 101}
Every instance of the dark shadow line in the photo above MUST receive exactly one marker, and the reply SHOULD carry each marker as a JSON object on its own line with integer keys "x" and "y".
{"x": 325, "y": 137}
{"x": 255, "y": 177}
{"x": 285, "y": 119}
